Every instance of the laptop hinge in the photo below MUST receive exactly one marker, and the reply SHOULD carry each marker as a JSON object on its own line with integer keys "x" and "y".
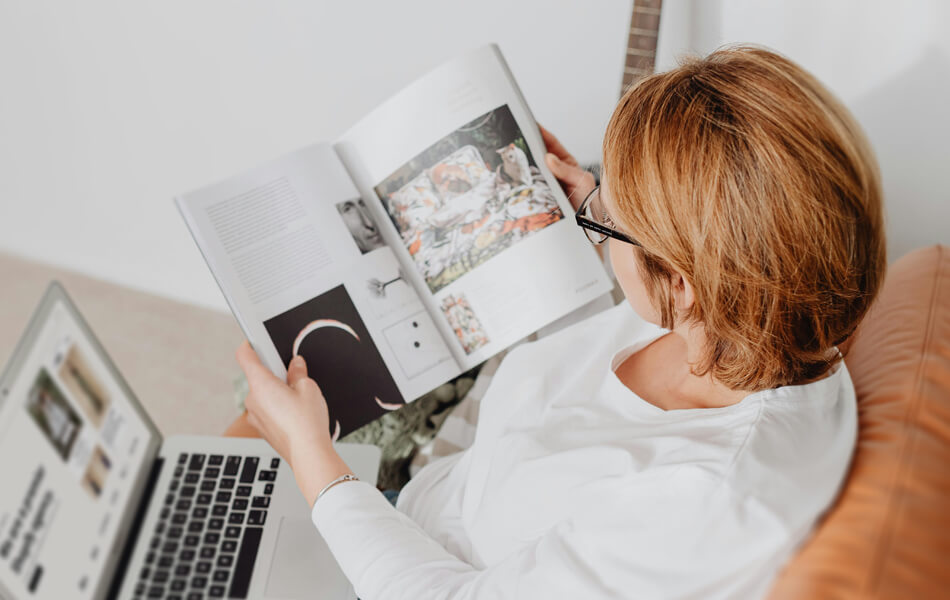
{"x": 135, "y": 529}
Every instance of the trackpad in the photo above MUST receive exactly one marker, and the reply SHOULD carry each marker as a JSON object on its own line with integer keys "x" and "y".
{"x": 303, "y": 566}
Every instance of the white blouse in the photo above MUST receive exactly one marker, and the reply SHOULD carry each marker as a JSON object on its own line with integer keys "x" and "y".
{"x": 577, "y": 488}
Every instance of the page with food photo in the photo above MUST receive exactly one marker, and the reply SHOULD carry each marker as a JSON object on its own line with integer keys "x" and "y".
{"x": 301, "y": 260}
{"x": 453, "y": 167}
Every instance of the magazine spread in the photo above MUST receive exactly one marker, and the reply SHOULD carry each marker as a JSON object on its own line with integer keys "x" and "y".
{"x": 428, "y": 238}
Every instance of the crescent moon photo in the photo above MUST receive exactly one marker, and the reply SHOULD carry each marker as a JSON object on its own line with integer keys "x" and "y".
{"x": 387, "y": 406}
{"x": 320, "y": 324}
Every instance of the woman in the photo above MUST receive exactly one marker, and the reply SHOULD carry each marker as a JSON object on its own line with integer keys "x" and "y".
{"x": 683, "y": 443}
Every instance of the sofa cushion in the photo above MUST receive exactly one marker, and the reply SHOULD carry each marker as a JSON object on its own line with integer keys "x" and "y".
{"x": 888, "y": 535}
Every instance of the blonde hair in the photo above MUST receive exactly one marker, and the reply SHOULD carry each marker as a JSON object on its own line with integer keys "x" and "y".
{"x": 744, "y": 174}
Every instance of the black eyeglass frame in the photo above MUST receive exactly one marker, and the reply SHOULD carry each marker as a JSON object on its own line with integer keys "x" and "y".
{"x": 591, "y": 225}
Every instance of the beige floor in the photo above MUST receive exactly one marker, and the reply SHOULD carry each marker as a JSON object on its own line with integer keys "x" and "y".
{"x": 179, "y": 359}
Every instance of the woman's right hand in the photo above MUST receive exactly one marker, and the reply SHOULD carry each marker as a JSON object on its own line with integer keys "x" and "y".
{"x": 575, "y": 181}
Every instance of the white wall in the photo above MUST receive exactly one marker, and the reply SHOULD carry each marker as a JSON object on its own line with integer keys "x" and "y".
{"x": 108, "y": 109}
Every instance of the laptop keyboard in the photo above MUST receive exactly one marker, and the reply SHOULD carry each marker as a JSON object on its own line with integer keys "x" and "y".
{"x": 209, "y": 528}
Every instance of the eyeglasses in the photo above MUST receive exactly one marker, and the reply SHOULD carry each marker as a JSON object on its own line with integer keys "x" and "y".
{"x": 592, "y": 217}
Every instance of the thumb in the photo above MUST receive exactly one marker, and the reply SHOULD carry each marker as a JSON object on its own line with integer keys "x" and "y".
{"x": 570, "y": 175}
{"x": 296, "y": 371}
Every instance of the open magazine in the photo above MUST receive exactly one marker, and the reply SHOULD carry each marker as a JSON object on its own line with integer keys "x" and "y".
{"x": 427, "y": 238}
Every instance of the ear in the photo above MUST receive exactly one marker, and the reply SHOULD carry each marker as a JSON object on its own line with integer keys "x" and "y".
{"x": 683, "y": 294}
{"x": 500, "y": 150}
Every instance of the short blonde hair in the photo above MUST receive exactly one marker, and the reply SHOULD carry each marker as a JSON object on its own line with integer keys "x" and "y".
{"x": 744, "y": 174}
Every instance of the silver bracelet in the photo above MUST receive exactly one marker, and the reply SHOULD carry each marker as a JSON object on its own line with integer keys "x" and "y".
{"x": 340, "y": 479}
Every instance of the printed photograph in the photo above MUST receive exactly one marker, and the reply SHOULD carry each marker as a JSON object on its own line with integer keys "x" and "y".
{"x": 360, "y": 224}
{"x": 85, "y": 388}
{"x": 468, "y": 329}
{"x": 329, "y": 333}
{"x": 468, "y": 197}
{"x": 94, "y": 480}
{"x": 52, "y": 413}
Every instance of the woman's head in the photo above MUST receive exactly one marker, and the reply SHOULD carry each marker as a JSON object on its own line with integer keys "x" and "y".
{"x": 749, "y": 185}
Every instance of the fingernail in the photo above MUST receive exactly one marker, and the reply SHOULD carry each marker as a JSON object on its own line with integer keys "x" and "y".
{"x": 297, "y": 361}
{"x": 554, "y": 158}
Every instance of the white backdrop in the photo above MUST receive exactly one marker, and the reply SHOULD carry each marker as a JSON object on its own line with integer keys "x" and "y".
{"x": 108, "y": 109}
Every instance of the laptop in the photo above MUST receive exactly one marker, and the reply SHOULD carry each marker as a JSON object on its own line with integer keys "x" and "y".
{"x": 96, "y": 504}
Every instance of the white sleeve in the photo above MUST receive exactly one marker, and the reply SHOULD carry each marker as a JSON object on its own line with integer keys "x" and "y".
{"x": 387, "y": 556}
{"x": 702, "y": 545}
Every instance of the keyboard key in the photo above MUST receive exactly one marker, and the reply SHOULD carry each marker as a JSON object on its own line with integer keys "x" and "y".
{"x": 223, "y": 496}
{"x": 204, "y": 499}
{"x": 212, "y": 472}
{"x": 256, "y": 517}
{"x": 215, "y": 524}
{"x": 274, "y": 463}
{"x": 179, "y": 471}
{"x": 169, "y": 499}
{"x": 175, "y": 532}
{"x": 244, "y": 490}
{"x": 170, "y": 547}
{"x": 182, "y": 458}
{"x": 220, "y": 575}
{"x": 227, "y": 483}
{"x": 232, "y": 532}
{"x": 232, "y": 465}
{"x": 269, "y": 489}
{"x": 236, "y": 518}
{"x": 156, "y": 591}
{"x": 203, "y": 567}
{"x": 177, "y": 585}
{"x": 166, "y": 561}
{"x": 195, "y": 596}
{"x": 160, "y": 577}
{"x": 197, "y": 462}
{"x": 173, "y": 486}
{"x": 267, "y": 476}
{"x": 244, "y": 566}
{"x": 208, "y": 485}
{"x": 188, "y": 491}
{"x": 149, "y": 558}
{"x": 179, "y": 518}
{"x": 192, "y": 478}
{"x": 216, "y": 591}
{"x": 219, "y": 510}
{"x": 145, "y": 574}
{"x": 187, "y": 555}
{"x": 196, "y": 526}
{"x": 239, "y": 504}
{"x": 212, "y": 538}
{"x": 207, "y": 552}
{"x": 249, "y": 470}
{"x": 182, "y": 570}
{"x": 192, "y": 540}
{"x": 228, "y": 546}
{"x": 165, "y": 512}
{"x": 199, "y": 582}
{"x": 156, "y": 541}
{"x": 183, "y": 504}
{"x": 261, "y": 502}
{"x": 140, "y": 588}
{"x": 200, "y": 512}
{"x": 225, "y": 560}
{"x": 215, "y": 459}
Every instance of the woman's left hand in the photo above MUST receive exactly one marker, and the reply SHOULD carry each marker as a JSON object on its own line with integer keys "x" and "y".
{"x": 293, "y": 418}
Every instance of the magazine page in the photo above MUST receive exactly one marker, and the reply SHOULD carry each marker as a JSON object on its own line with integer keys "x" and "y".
{"x": 303, "y": 267}
{"x": 453, "y": 168}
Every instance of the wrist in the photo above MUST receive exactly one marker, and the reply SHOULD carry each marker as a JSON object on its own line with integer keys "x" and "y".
{"x": 316, "y": 467}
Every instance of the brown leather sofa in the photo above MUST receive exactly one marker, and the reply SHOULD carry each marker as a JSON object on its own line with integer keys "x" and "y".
{"x": 888, "y": 535}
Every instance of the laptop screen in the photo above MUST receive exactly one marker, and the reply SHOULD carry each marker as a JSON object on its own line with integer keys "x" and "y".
{"x": 73, "y": 447}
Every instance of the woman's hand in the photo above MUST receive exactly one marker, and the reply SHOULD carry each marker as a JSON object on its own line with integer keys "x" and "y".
{"x": 577, "y": 182}
{"x": 293, "y": 418}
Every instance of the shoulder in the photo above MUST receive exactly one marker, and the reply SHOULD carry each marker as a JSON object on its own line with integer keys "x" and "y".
{"x": 799, "y": 449}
